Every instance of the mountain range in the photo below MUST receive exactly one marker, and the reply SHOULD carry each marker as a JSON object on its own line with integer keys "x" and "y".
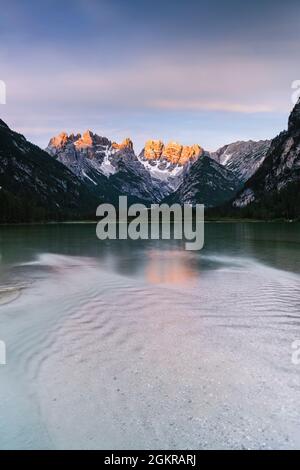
{"x": 77, "y": 172}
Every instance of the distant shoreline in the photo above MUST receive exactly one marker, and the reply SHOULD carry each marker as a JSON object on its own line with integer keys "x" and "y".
{"x": 90, "y": 222}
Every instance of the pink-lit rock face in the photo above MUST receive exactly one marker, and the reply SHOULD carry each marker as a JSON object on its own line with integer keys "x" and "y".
{"x": 153, "y": 149}
{"x": 190, "y": 153}
{"x": 173, "y": 152}
{"x": 125, "y": 145}
{"x": 86, "y": 140}
{"x": 63, "y": 139}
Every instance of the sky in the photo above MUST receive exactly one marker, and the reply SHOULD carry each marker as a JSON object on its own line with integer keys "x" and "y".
{"x": 207, "y": 72}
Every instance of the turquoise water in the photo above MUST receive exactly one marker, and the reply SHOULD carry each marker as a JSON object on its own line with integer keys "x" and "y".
{"x": 130, "y": 344}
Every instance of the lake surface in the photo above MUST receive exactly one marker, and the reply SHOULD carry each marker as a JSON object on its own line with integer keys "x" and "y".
{"x": 131, "y": 344}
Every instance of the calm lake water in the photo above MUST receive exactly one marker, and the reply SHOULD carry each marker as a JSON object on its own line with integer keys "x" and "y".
{"x": 129, "y": 344}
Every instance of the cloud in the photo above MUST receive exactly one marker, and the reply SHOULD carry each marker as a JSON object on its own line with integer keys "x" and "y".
{"x": 211, "y": 106}
{"x": 193, "y": 81}
{"x": 141, "y": 67}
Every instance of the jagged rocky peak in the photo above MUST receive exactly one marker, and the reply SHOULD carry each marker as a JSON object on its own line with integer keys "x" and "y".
{"x": 153, "y": 149}
{"x": 173, "y": 152}
{"x": 106, "y": 166}
{"x": 190, "y": 153}
{"x": 127, "y": 144}
{"x": 88, "y": 141}
{"x": 87, "y": 145}
{"x": 60, "y": 141}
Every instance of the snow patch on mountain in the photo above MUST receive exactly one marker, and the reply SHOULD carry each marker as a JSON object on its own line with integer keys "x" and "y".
{"x": 87, "y": 176}
{"x": 106, "y": 166}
